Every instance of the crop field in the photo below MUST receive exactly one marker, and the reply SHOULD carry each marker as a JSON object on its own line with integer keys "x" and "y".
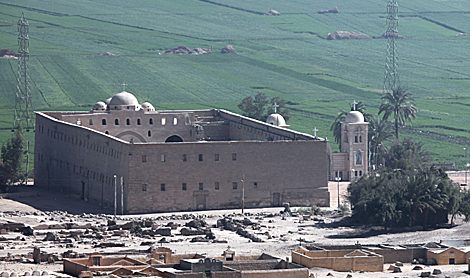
{"x": 286, "y": 56}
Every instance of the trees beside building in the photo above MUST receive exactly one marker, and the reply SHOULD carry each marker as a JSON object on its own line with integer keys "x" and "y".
{"x": 10, "y": 162}
{"x": 406, "y": 191}
{"x": 260, "y": 106}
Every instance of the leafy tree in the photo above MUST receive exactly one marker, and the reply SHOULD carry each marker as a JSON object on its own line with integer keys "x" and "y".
{"x": 11, "y": 156}
{"x": 336, "y": 125}
{"x": 464, "y": 207}
{"x": 258, "y": 107}
{"x": 398, "y": 103}
{"x": 406, "y": 155}
{"x": 380, "y": 132}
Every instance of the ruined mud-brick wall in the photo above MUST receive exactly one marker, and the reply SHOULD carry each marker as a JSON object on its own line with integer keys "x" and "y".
{"x": 334, "y": 260}
{"x": 78, "y": 160}
{"x": 208, "y": 175}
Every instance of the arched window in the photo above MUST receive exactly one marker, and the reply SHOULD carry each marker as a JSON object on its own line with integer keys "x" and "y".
{"x": 138, "y": 122}
{"x": 103, "y": 121}
{"x": 128, "y": 121}
{"x": 149, "y": 133}
{"x": 175, "y": 121}
{"x": 116, "y": 121}
{"x": 150, "y": 121}
{"x": 358, "y": 157}
{"x": 107, "y": 132}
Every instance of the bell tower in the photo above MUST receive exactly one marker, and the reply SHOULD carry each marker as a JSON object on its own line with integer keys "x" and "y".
{"x": 354, "y": 136}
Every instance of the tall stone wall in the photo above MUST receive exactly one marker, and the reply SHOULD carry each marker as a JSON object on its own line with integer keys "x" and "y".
{"x": 191, "y": 176}
{"x": 78, "y": 161}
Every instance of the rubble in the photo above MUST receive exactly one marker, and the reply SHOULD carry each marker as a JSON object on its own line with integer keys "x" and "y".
{"x": 184, "y": 50}
{"x": 347, "y": 35}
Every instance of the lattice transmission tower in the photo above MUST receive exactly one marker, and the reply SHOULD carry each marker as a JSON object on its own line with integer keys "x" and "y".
{"x": 23, "y": 106}
{"x": 392, "y": 79}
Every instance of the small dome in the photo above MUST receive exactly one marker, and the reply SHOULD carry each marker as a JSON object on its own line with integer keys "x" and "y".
{"x": 99, "y": 106}
{"x": 124, "y": 98}
{"x": 108, "y": 100}
{"x": 354, "y": 117}
{"x": 147, "y": 106}
{"x": 277, "y": 120}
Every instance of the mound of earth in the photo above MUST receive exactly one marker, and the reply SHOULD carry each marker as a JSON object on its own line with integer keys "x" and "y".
{"x": 329, "y": 11}
{"x": 347, "y": 35}
{"x": 273, "y": 12}
{"x": 183, "y": 50}
{"x": 7, "y": 53}
{"x": 228, "y": 49}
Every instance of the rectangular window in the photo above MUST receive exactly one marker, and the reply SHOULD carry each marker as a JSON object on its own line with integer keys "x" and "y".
{"x": 200, "y": 157}
{"x": 216, "y": 157}
{"x": 163, "y": 121}
{"x": 184, "y": 187}
{"x": 255, "y": 184}
{"x": 217, "y": 185}
{"x": 144, "y": 158}
{"x": 175, "y": 121}
{"x": 162, "y": 158}
{"x": 144, "y": 187}
{"x": 234, "y": 156}
{"x": 356, "y": 139}
{"x": 201, "y": 186}
{"x": 185, "y": 157}
{"x": 162, "y": 187}
{"x": 235, "y": 185}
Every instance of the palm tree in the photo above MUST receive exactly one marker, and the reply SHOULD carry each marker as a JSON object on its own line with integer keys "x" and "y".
{"x": 398, "y": 103}
{"x": 336, "y": 125}
{"x": 380, "y": 132}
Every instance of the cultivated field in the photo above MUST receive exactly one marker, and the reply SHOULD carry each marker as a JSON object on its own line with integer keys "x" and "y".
{"x": 286, "y": 56}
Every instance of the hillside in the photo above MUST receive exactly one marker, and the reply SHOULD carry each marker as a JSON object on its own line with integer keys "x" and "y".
{"x": 81, "y": 51}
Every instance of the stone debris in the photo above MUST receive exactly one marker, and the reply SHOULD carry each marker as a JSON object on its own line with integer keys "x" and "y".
{"x": 273, "y": 12}
{"x": 184, "y": 50}
{"x": 239, "y": 226}
{"x": 347, "y": 35}
{"x": 329, "y": 11}
{"x": 228, "y": 49}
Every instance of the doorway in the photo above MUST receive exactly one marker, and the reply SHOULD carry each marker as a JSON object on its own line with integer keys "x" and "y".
{"x": 276, "y": 199}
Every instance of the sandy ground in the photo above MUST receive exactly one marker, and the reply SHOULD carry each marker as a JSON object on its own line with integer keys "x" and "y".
{"x": 280, "y": 234}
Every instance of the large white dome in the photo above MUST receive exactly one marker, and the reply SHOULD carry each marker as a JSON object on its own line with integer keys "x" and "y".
{"x": 124, "y": 101}
{"x": 354, "y": 117}
{"x": 277, "y": 120}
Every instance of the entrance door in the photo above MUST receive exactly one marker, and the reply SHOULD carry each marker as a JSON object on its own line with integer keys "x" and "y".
{"x": 199, "y": 201}
{"x": 276, "y": 199}
{"x": 451, "y": 260}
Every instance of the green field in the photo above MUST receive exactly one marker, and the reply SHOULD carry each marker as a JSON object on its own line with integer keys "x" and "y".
{"x": 286, "y": 56}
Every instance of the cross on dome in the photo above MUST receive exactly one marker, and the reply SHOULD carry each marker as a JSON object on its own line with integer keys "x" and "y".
{"x": 315, "y": 130}
{"x": 124, "y": 84}
{"x": 354, "y": 105}
{"x": 275, "y": 106}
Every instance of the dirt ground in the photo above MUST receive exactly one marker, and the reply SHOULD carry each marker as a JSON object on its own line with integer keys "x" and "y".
{"x": 280, "y": 235}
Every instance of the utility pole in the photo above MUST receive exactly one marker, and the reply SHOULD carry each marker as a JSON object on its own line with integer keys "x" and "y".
{"x": 243, "y": 194}
{"x": 391, "y": 79}
{"x": 122, "y": 196}
{"x": 115, "y": 195}
{"x": 338, "y": 179}
{"x": 23, "y": 119}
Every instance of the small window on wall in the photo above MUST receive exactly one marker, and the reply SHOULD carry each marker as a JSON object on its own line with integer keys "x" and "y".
{"x": 103, "y": 122}
{"x": 217, "y": 185}
{"x": 116, "y": 121}
{"x": 162, "y": 158}
{"x": 144, "y": 158}
{"x": 235, "y": 185}
{"x": 356, "y": 139}
{"x": 255, "y": 184}
{"x": 175, "y": 121}
{"x": 128, "y": 121}
{"x": 184, "y": 186}
{"x": 150, "y": 121}
{"x": 201, "y": 186}
{"x": 149, "y": 133}
{"x": 163, "y": 121}
{"x": 234, "y": 156}
{"x": 185, "y": 157}
{"x": 90, "y": 122}
{"x": 360, "y": 138}
{"x": 144, "y": 187}
{"x": 216, "y": 157}
{"x": 139, "y": 122}
{"x": 162, "y": 187}
{"x": 200, "y": 157}
{"x": 107, "y": 132}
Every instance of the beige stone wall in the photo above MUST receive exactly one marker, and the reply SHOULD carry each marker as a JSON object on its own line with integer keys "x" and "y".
{"x": 334, "y": 260}
{"x": 451, "y": 253}
{"x": 274, "y": 172}
{"x": 78, "y": 161}
{"x": 276, "y": 273}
